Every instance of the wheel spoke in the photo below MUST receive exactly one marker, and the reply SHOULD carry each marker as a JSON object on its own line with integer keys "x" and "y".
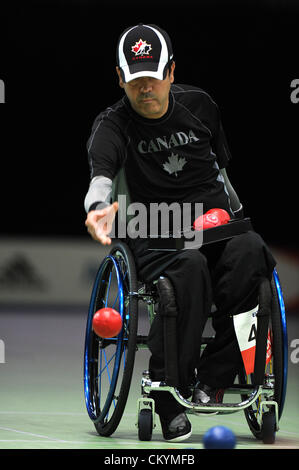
{"x": 108, "y": 289}
{"x": 106, "y": 365}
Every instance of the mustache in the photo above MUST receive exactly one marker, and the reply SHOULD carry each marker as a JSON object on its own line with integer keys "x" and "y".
{"x": 146, "y": 96}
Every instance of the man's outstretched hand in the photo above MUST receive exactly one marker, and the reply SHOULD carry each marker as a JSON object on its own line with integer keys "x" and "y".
{"x": 99, "y": 223}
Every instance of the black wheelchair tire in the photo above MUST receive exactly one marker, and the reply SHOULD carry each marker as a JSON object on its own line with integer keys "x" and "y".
{"x": 257, "y": 429}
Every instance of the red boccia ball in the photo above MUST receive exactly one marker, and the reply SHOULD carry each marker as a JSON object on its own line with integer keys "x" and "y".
{"x": 212, "y": 218}
{"x": 107, "y": 322}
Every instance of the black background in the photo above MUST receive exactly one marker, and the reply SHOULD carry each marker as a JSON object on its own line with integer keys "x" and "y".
{"x": 58, "y": 64}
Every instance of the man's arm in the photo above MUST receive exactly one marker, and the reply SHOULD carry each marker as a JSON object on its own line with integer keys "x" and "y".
{"x": 100, "y": 212}
{"x": 234, "y": 199}
{"x": 99, "y": 193}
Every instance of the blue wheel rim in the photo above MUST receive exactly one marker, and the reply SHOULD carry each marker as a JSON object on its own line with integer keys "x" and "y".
{"x": 284, "y": 339}
{"x": 119, "y": 342}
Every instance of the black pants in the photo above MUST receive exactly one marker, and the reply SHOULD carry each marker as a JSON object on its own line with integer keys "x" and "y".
{"x": 228, "y": 274}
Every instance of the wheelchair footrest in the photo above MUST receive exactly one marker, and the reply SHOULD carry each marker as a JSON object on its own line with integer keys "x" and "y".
{"x": 252, "y": 394}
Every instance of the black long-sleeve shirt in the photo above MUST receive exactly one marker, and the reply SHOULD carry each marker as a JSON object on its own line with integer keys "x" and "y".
{"x": 175, "y": 158}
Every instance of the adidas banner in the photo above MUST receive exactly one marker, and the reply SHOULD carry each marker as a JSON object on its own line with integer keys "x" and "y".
{"x": 48, "y": 271}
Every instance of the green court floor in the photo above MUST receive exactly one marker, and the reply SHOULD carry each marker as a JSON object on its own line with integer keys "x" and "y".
{"x": 41, "y": 394}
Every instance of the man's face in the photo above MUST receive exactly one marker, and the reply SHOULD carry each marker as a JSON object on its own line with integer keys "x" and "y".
{"x": 148, "y": 96}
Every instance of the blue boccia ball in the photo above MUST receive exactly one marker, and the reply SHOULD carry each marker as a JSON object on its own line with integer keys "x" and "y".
{"x": 219, "y": 437}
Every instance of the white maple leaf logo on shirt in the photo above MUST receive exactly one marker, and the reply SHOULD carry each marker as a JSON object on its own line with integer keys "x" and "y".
{"x": 174, "y": 164}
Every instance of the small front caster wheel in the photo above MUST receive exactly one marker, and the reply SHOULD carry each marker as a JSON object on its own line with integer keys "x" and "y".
{"x": 145, "y": 424}
{"x": 268, "y": 427}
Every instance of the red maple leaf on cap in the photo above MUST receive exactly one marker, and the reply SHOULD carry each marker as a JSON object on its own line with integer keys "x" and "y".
{"x": 141, "y": 47}
{"x": 137, "y": 46}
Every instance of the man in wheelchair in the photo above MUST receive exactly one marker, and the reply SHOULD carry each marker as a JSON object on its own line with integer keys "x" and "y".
{"x": 169, "y": 141}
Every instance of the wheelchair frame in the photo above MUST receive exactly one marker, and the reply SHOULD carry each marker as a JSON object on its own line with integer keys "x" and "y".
{"x": 262, "y": 393}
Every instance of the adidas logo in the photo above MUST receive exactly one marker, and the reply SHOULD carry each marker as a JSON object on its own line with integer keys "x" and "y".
{"x": 19, "y": 273}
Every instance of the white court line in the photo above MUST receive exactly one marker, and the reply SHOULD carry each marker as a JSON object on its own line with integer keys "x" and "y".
{"x": 54, "y": 413}
{"x": 178, "y": 445}
{"x": 32, "y": 434}
{"x": 33, "y": 441}
{"x": 48, "y": 413}
{"x": 281, "y": 432}
{"x": 66, "y": 413}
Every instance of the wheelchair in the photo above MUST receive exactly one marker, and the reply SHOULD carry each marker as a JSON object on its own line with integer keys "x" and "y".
{"x": 109, "y": 362}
